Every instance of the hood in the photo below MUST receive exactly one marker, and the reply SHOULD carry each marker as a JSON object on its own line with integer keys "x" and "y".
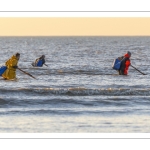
{"x": 127, "y": 55}
{"x": 14, "y": 57}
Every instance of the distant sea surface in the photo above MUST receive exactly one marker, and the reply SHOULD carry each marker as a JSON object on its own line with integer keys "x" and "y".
{"x": 78, "y": 91}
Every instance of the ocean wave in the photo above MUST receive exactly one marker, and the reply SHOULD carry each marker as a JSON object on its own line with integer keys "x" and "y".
{"x": 78, "y": 91}
{"x": 64, "y": 111}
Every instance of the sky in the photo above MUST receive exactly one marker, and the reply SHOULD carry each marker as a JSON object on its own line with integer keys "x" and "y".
{"x": 65, "y": 26}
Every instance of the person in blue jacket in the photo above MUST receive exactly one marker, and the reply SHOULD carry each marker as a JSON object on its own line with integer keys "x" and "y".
{"x": 39, "y": 62}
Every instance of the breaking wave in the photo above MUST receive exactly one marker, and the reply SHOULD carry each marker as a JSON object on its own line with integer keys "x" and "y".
{"x": 79, "y": 91}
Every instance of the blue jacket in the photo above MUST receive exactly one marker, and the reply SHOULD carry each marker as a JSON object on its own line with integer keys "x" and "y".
{"x": 39, "y": 62}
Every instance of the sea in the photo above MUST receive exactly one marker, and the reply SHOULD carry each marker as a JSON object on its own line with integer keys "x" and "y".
{"x": 78, "y": 92}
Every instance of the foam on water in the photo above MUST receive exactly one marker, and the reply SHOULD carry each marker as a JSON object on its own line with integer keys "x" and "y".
{"x": 78, "y": 91}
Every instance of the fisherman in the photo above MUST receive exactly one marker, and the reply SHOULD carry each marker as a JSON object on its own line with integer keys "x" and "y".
{"x": 125, "y": 63}
{"x": 11, "y": 65}
{"x": 39, "y": 61}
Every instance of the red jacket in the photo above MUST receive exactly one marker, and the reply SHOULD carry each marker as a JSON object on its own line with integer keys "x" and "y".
{"x": 127, "y": 64}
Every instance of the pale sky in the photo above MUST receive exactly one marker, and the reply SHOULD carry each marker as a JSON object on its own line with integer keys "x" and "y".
{"x": 75, "y": 26}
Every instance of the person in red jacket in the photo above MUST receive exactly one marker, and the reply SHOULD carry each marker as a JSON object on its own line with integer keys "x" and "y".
{"x": 125, "y": 63}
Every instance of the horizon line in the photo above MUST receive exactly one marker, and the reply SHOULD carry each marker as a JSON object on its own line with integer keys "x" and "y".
{"x": 74, "y": 35}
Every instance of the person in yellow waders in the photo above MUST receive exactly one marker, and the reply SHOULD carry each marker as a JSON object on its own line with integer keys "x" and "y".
{"x": 11, "y": 65}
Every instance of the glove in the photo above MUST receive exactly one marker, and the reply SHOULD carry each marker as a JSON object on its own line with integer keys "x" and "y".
{"x": 15, "y": 67}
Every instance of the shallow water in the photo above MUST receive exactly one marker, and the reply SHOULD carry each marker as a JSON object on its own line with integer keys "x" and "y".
{"x": 78, "y": 91}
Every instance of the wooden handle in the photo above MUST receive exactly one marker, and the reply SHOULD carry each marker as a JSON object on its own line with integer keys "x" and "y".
{"x": 26, "y": 73}
{"x": 138, "y": 70}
